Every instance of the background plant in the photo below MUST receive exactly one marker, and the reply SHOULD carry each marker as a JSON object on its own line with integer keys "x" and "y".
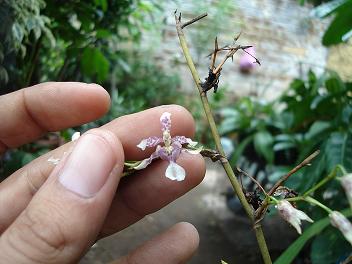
{"x": 314, "y": 113}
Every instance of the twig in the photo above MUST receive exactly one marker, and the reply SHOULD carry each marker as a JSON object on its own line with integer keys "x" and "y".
{"x": 304, "y": 163}
{"x": 193, "y": 20}
{"x": 227, "y": 167}
{"x": 253, "y": 179}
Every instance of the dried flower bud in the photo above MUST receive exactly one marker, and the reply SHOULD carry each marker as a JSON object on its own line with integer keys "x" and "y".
{"x": 292, "y": 215}
{"x": 339, "y": 221}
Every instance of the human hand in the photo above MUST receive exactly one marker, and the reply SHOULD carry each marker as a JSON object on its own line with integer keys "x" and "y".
{"x": 54, "y": 214}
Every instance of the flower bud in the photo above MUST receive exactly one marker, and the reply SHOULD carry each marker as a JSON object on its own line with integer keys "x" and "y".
{"x": 292, "y": 215}
{"x": 339, "y": 221}
{"x": 346, "y": 182}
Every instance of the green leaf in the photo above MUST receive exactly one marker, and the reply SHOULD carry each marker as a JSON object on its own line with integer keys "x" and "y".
{"x": 341, "y": 25}
{"x": 239, "y": 149}
{"x": 292, "y": 251}
{"x": 323, "y": 253}
{"x": 328, "y": 8}
{"x": 94, "y": 63}
{"x": 283, "y": 145}
{"x": 263, "y": 144}
{"x": 339, "y": 151}
{"x": 316, "y": 129}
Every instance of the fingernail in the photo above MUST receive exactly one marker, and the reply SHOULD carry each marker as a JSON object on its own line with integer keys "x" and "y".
{"x": 88, "y": 166}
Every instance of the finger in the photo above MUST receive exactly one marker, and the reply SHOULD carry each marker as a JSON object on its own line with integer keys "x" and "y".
{"x": 23, "y": 184}
{"x": 64, "y": 217}
{"x": 149, "y": 191}
{"x": 175, "y": 246}
{"x": 29, "y": 113}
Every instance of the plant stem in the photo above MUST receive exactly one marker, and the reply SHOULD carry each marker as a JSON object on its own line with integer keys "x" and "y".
{"x": 305, "y": 162}
{"x": 330, "y": 176}
{"x": 226, "y": 165}
{"x": 310, "y": 200}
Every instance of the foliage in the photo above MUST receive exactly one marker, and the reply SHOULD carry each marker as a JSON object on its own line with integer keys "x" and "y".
{"x": 340, "y": 29}
{"x": 76, "y": 41}
{"x": 315, "y": 113}
{"x": 315, "y": 229}
{"x": 67, "y": 40}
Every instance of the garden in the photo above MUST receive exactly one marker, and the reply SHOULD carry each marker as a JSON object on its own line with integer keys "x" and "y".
{"x": 269, "y": 84}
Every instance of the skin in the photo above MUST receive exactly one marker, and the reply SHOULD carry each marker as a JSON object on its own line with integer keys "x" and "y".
{"x": 42, "y": 221}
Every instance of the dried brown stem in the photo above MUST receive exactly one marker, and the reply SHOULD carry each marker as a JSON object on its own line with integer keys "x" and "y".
{"x": 305, "y": 162}
{"x": 193, "y": 20}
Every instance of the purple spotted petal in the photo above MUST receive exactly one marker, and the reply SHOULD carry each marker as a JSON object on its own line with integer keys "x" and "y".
{"x": 165, "y": 121}
{"x": 147, "y": 161}
{"x": 176, "y": 151}
{"x": 163, "y": 154}
{"x": 184, "y": 140}
{"x": 149, "y": 142}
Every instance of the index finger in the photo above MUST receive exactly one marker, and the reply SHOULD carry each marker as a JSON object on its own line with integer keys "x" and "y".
{"x": 29, "y": 113}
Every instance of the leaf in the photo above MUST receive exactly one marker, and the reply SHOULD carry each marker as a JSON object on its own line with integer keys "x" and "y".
{"x": 317, "y": 128}
{"x": 239, "y": 149}
{"x": 283, "y": 145}
{"x": 292, "y": 251}
{"x": 263, "y": 144}
{"x": 334, "y": 84}
{"x": 94, "y": 63}
{"x": 328, "y": 8}
{"x": 339, "y": 151}
{"x": 341, "y": 25}
{"x": 323, "y": 253}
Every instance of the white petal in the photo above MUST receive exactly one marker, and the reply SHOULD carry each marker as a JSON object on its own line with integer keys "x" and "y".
{"x": 191, "y": 142}
{"x": 175, "y": 172}
{"x": 143, "y": 164}
{"x": 303, "y": 216}
{"x": 193, "y": 151}
{"x": 143, "y": 144}
{"x": 75, "y": 136}
{"x": 54, "y": 161}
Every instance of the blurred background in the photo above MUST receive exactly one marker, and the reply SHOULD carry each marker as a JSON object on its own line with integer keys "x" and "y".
{"x": 271, "y": 116}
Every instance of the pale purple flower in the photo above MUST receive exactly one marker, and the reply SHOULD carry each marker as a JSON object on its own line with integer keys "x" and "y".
{"x": 170, "y": 151}
{"x": 346, "y": 182}
{"x": 339, "y": 221}
{"x": 292, "y": 215}
{"x": 247, "y": 62}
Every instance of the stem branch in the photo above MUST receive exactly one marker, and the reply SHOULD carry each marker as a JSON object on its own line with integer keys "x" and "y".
{"x": 227, "y": 167}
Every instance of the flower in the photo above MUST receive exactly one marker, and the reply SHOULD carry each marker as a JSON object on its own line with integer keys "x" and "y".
{"x": 247, "y": 62}
{"x": 346, "y": 182}
{"x": 339, "y": 221}
{"x": 292, "y": 215}
{"x": 170, "y": 151}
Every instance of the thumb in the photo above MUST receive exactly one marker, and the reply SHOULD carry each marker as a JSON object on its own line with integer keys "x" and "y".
{"x": 65, "y": 216}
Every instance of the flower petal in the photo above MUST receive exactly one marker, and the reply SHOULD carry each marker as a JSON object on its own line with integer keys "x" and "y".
{"x": 165, "y": 121}
{"x": 149, "y": 142}
{"x": 193, "y": 151}
{"x": 75, "y": 136}
{"x": 339, "y": 221}
{"x": 175, "y": 172}
{"x": 54, "y": 161}
{"x": 184, "y": 140}
{"x": 147, "y": 161}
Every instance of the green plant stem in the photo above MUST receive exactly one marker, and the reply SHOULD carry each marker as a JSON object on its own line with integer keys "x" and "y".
{"x": 311, "y": 200}
{"x": 226, "y": 165}
{"x": 330, "y": 176}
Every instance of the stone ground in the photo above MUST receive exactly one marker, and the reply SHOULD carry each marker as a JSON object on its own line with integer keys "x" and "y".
{"x": 223, "y": 235}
